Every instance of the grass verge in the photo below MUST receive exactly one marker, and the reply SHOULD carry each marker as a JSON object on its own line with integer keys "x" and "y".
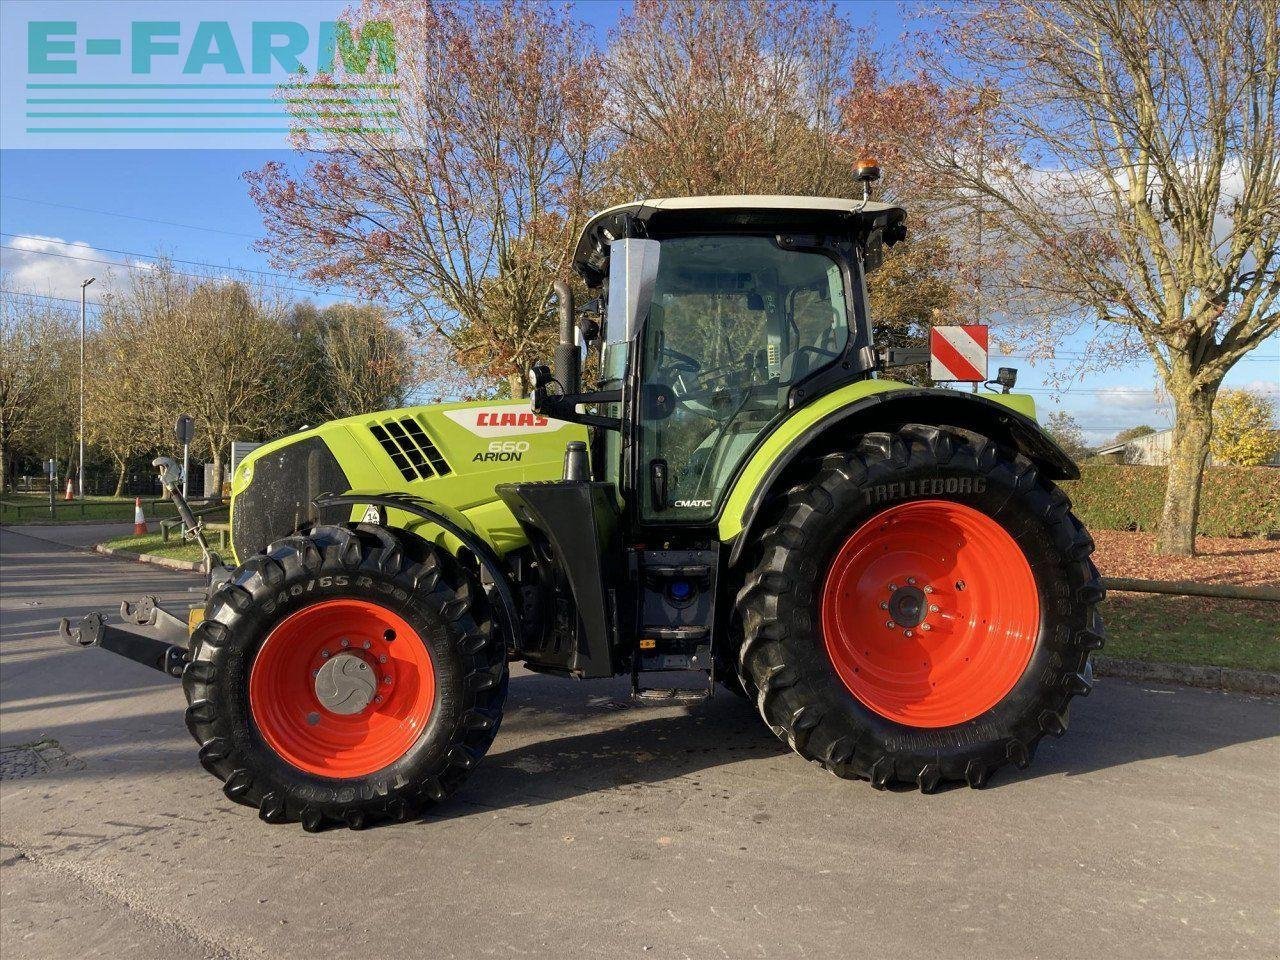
{"x": 34, "y": 508}
{"x": 151, "y": 545}
{"x": 1219, "y": 633}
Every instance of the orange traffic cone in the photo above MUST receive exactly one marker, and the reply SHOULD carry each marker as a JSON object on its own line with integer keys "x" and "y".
{"x": 139, "y": 521}
{"x": 70, "y": 492}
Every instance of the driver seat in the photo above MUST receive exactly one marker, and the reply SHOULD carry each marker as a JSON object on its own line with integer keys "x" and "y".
{"x": 809, "y": 357}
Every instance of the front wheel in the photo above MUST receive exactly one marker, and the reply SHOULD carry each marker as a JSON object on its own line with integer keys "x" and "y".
{"x": 345, "y": 677}
{"x": 920, "y": 610}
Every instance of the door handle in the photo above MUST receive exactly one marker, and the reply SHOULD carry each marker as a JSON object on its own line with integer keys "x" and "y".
{"x": 658, "y": 480}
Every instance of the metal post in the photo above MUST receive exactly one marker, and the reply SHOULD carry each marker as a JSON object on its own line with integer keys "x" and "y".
{"x": 183, "y": 431}
{"x": 83, "y": 287}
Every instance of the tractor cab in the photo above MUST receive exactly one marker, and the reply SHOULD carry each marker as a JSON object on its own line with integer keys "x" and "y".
{"x": 721, "y": 315}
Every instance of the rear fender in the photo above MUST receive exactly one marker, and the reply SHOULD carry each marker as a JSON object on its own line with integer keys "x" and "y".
{"x": 1006, "y": 418}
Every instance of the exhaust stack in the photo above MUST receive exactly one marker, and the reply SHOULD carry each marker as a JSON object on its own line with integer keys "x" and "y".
{"x": 567, "y": 358}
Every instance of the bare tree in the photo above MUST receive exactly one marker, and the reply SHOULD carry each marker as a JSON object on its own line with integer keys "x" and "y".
{"x": 460, "y": 196}
{"x": 733, "y": 97}
{"x": 33, "y": 339}
{"x": 1125, "y": 156}
{"x": 125, "y": 387}
{"x": 361, "y": 360}
{"x": 233, "y": 374}
{"x": 219, "y": 350}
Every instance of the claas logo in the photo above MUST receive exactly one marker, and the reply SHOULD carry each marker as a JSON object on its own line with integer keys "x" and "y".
{"x": 487, "y": 418}
{"x": 503, "y": 421}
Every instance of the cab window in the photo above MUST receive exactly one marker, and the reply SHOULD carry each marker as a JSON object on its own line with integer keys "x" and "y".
{"x": 735, "y": 321}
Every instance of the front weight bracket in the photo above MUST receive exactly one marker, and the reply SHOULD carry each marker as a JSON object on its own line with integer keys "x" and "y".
{"x": 94, "y": 631}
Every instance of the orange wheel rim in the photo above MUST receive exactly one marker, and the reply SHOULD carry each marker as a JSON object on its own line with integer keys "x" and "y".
{"x": 930, "y": 613}
{"x": 359, "y": 729}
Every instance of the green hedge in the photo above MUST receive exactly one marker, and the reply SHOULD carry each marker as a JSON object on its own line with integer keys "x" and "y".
{"x": 1235, "y": 501}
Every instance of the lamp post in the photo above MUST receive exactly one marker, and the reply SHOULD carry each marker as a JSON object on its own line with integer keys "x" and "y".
{"x": 83, "y": 286}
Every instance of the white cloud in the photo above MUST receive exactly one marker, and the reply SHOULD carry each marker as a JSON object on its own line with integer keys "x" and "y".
{"x": 54, "y": 267}
{"x": 1264, "y": 387}
{"x": 1113, "y": 409}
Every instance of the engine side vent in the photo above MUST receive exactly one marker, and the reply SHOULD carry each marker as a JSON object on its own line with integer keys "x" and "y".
{"x": 410, "y": 449}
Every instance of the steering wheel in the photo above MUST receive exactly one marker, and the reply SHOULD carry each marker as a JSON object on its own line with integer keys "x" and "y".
{"x": 681, "y": 362}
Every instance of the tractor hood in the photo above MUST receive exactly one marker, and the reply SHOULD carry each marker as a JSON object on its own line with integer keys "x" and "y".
{"x": 454, "y": 454}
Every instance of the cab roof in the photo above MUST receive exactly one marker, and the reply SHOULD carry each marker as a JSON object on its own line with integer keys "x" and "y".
{"x": 747, "y": 212}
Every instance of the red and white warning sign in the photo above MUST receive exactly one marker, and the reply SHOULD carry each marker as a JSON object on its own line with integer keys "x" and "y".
{"x": 958, "y": 353}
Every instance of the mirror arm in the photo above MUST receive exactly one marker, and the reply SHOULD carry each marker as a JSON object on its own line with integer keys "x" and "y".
{"x": 564, "y": 406}
{"x": 901, "y": 357}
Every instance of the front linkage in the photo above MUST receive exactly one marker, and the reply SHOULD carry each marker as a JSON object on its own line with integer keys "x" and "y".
{"x": 169, "y": 655}
{"x": 162, "y": 643}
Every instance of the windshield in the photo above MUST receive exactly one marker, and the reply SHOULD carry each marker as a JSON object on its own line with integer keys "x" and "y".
{"x": 735, "y": 321}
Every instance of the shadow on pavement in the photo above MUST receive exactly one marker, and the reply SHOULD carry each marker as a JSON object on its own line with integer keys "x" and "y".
{"x": 1121, "y": 723}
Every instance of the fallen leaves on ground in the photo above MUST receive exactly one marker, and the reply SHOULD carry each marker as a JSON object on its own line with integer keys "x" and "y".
{"x": 1220, "y": 560}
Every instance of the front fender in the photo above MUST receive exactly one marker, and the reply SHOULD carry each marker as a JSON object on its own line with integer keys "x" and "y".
{"x": 885, "y": 405}
{"x": 457, "y": 526}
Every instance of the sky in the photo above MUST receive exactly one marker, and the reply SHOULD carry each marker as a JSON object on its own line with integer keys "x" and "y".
{"x": 67, "y": 214}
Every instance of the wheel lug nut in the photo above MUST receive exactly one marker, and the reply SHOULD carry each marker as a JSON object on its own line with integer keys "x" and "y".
{"x": 911, "y": 581}
{"x": 382, "y": 658}
{"x": 925, "y": 626}
{"x": 910, "y": 634}
{"x": 890, "y": 624}
{"x": 367, "y": 644}
{"x": 386, "y": 679}
{"x": 378, "y": 698}
{"x": 324, "y": 654}
{"x": 893, "y": 586}
{"x": 884, "y": 605}
{"x": 933, "y": 608}
{"x": 315, "y": 673}
{"x": 346, "y": 642}
{"x": 928, "y": 589}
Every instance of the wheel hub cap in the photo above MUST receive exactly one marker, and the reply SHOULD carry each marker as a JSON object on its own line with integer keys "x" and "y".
{"x": 907, "y": 606}
{"x": 345, "y": 684}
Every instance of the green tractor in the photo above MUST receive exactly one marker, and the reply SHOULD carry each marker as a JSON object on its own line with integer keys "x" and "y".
{"x": 888, "y": 573}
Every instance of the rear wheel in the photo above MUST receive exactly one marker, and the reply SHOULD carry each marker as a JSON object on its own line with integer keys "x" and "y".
{"x": 346, "y": 676}
{"x": 920, "y": 610}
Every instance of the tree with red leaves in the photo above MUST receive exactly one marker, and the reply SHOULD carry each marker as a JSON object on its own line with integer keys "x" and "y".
{"x": 457, "y": 192}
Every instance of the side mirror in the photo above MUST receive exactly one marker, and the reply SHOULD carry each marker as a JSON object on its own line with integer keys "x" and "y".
{"x": 589, "y": 315}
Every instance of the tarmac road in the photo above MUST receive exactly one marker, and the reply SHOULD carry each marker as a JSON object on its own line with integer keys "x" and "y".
{"x": 598, "y": 829}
